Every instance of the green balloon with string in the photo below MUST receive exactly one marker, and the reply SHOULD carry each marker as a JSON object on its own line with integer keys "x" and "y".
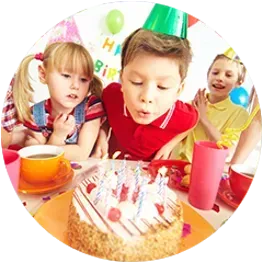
{"x": 115, "y": 21}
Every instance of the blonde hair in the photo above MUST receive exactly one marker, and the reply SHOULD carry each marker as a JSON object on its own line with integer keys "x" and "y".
{"x": 145, "y": 41}
{"x": 241, "y": 68}
{"x": 60, "y": 56}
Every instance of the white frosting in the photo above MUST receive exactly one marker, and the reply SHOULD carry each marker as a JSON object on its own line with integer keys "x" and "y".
{"x": 149, "y": 210}
{"x": 128, "y": 226}
{"x": 128, "y": 209}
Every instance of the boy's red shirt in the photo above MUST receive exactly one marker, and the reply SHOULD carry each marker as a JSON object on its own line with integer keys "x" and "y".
{"x": 142, "y": 142}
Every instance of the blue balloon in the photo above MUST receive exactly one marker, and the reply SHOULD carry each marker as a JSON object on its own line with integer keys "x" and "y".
{"x": 239, "y": 96}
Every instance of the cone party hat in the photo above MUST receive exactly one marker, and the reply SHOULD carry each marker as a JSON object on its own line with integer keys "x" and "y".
{"x": 65, "y": 31}
{"x": 230, "y": 53}
{"x": 167, "y": 20}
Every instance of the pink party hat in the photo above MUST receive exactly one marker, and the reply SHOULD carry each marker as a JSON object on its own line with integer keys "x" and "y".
{"x": 65, "y": 31}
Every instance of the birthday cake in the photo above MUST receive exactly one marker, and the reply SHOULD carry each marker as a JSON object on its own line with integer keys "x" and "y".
{"x": 124, "y": 215}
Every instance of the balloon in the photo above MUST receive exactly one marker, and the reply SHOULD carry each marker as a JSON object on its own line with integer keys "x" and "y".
{"x": 239, "y": 96}
{"x": 115, "y": 21}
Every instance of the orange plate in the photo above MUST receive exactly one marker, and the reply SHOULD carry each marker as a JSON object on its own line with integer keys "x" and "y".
{"x": 53, "y": 217}
{"x": 27, "y": 188}
{"x": 154, "y": 166}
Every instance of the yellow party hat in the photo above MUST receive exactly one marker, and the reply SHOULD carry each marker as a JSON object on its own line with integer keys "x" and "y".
{"x": 230, "y": 53}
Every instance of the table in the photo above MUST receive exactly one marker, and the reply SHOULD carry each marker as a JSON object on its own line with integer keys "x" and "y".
{"x": 33, "y": 202}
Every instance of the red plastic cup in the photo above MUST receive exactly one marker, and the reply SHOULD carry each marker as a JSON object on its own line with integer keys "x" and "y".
{"x": 12, "y": 163}
{"x": 207, "y": 168}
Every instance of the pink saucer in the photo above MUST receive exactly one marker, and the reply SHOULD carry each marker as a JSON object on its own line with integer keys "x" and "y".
{"x": 226, "y": 194}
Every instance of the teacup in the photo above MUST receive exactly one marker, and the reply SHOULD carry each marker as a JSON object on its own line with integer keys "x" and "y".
{"x": 240, "y": 179}
{"x": 43, "y": 163}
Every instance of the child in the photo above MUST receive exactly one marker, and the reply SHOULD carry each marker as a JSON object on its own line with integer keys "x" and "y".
{"x": 250, "y": 137}
{"x": 16, "y": 105}
{"x": 143, "y": 111}
{"x": 72, "y": 116}
{"x": 216, "y": 111}
{"x": 16, "y": 110}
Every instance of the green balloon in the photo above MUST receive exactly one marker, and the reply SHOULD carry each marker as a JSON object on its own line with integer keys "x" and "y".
{"x": 115, "y": 21}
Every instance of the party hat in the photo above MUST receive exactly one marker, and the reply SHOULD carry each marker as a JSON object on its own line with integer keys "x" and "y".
{"x": 230, "y": 53}
{"x": 65, "y": 31}
{"x": 167, "y": 20}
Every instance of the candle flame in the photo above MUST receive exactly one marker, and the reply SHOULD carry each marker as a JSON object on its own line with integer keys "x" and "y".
{"x": 106, "y": 156}
{"x": 116, "y": 154}
{"x": 162, "y": 171}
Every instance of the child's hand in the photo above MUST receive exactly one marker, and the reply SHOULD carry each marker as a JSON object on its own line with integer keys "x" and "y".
{"x": 30, "y": 140}
{"x": 200, "y": 103}
{"x": 165, "y": 152}
{"x": 63, "y": 125}
{"x": 102, "y": 145}
{"x": 101, "y": 148}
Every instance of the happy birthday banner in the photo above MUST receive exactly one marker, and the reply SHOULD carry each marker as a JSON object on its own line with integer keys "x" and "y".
{"x": 102, "y": 67}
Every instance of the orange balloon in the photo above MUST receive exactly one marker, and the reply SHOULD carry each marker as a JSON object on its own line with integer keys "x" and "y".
{"x": 192, "y": 20}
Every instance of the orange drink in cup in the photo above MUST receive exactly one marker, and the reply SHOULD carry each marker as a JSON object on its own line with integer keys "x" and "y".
{"x": 43, "y": 163}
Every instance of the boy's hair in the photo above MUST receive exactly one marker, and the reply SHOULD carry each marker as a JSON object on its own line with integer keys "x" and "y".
{"x": 149, "y": 42}
{"x": 241, "y": 68}
{"x": 59, "y": 56}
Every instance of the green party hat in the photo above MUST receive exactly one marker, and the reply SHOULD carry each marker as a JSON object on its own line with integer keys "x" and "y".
{"x": 167, "y": 20}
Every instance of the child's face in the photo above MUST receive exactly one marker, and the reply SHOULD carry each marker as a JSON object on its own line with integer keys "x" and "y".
{"x": 150, "y": 86}
{"x": 66, "y": 89}
{"x": 222, "y": 78}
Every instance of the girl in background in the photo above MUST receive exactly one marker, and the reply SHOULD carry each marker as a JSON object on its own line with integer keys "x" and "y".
{"x": 72, "y": 116}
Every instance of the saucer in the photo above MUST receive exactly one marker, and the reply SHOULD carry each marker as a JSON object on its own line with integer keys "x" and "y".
{"x": 27, "y": 188}
{"x": 226, "y": 194}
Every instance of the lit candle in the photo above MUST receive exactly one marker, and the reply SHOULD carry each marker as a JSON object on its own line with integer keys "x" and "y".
{"x": 141, "y": 197}
{"x": 161, "y": 186}
{"x": 101, "y": 185}
{"x": 137, "y": 175}
{"x": 158, "y": 178}
{"x": 120, "y": 182}
{"x": 107, "y": 198}
{"x": 162, "y": 171}
{"x": 131, "y": 187}
{"x": 112, "y": 165}
{"x": 164, "y": 197}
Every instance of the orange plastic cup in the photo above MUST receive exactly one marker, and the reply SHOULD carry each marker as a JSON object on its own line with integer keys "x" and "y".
{"x": 42, "y": 163}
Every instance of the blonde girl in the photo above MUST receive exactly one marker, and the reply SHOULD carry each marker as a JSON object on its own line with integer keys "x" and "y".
{"x": 72, "y": 116}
